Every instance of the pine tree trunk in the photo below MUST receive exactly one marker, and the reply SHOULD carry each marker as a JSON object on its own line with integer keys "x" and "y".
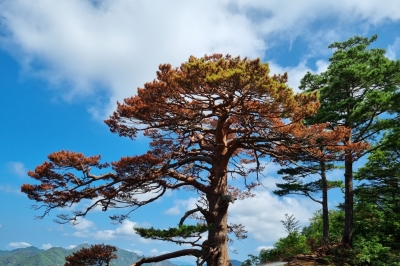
{"x": 218, "y": 216}
{"x": 325, "y": 212}
{"x": 347, "y": 238}
{"x": 217, "y": 235}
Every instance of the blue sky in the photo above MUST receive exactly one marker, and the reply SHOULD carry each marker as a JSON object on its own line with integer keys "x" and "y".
{"x": 64, "y": 64}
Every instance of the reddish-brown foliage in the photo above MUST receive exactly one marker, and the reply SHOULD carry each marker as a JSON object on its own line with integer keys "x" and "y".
{"x": 211, "y": 119}
{"x": 95, "y": 255}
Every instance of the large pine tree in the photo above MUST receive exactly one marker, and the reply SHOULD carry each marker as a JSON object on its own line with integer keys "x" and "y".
{"x": 211, "y": 118}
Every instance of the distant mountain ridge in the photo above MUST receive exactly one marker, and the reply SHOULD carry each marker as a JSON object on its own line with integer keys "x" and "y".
{"x": 55, "y": 256}
{"x": 32, "y": 256}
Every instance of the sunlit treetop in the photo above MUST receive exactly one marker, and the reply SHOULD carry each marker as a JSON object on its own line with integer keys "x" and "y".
{"x": 195, "y": 95}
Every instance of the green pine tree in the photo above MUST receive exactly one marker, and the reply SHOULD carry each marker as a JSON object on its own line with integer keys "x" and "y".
{"x": 355, "y": 91}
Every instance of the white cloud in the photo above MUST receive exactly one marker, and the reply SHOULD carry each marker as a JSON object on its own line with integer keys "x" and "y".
{"x": 71, "y": 246}
{"x": 268, "y": 178}
{"x": 155, "y": 252}
{"x": 139, "y": 252}
{"x": 297, "y": 73}
{"x": 17, "y": 168}
{"x": 119, "y": 44}
{"x": 103, "y": 234}
{"x": 182, "y": 205}
{"x": 173, "y": 210}
{"x": 261, "y": 215}
{"x": 297, "y": 15}
{"x": 14, "y": 245}
{"x": 393, "y": 50}
{"x": 79, "y": 234}
{"x": 336, "y": 174}
{"x": 116, "y": 45}
{"x": 83, "y": 224}
{"x": 125, "y": 230}
{"x": 264, "y": 248}
{"x": 46, "y": 246}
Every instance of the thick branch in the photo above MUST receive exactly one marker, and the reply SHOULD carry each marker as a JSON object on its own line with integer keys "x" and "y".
{"x": 312, "y": 198}
{"x": 203, "y": 144}
{"x": 186, "y": 215}
{"x": 97, "y": 177}
{"x": 175, "y": 254}
{"x": 189, "y": 180}
{"x": 189, "y": 160}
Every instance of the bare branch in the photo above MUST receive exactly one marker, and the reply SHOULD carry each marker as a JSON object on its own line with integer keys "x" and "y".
{"x": 188, "y": 179}
{"x": 98, "y": 177}
{"x": 190, "y": 212}
{"x": 176, "y": 254}
{"x": 189, "y": 160}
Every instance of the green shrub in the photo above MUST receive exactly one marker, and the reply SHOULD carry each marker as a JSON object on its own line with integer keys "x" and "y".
{"x": 371, "y": 252}
{"x": 293, "y": 244}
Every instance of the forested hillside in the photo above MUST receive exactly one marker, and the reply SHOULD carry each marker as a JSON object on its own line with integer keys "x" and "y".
{"x": 55, "y": 256}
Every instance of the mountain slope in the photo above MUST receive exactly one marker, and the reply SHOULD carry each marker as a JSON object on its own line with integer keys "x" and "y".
{"x": 55, "y": 256}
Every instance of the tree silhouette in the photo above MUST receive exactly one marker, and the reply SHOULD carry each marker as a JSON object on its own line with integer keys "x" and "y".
{"x": 95, "y": 255}
{"x": 213, "y": 119}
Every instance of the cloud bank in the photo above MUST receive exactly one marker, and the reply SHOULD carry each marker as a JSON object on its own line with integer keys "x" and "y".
{"x": 15, "y": 245}
{"x": 101, "y": 51}
{"x": 87, "y": 229}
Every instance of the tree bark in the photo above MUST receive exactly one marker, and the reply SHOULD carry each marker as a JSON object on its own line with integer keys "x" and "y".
{"x": 347, "y": 238}
{"x": 325, "y": 212}
{"x": 216, "y": 253}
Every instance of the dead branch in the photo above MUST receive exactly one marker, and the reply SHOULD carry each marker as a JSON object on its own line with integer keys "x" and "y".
{"x": 175, "y": 254}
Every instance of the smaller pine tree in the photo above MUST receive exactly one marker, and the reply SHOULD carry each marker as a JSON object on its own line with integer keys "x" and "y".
{"x": 95, "y": 255}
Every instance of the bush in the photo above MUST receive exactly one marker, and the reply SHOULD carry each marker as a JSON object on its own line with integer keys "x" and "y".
{"x": 313, "y": 231}
{"x": 293, "y": 244}
{"x": 371, "y": 252}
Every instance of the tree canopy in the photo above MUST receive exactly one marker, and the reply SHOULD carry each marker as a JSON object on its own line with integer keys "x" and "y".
{"x": 212, "y": 119}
